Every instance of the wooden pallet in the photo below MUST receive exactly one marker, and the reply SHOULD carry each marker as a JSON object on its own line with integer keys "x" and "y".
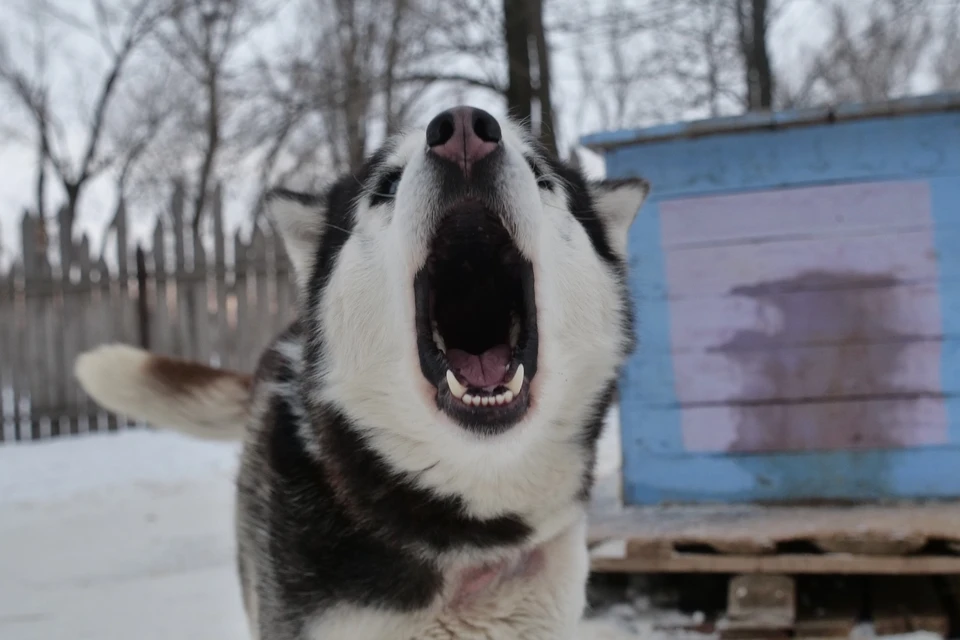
{"x": 891, "y": 539}
{"x": 808, "y": 607}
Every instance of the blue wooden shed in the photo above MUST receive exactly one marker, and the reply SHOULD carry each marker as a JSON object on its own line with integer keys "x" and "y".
{"x": 797, "y": 285}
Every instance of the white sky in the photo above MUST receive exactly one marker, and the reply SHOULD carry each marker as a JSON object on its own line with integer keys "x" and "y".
{"x": 76, "y": 59}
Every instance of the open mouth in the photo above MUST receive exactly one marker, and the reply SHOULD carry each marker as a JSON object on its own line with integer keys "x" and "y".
{"x": 476, "y": 320}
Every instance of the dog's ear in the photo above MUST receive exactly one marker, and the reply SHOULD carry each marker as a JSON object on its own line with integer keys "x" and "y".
{"x": 617, "y": 203}
{"x": 300, "y": 218}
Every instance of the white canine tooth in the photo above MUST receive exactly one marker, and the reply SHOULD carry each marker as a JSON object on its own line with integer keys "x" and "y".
{"x": 456, "y": 388}
{"x": 467, "y": 398}
{"x": 508, "y": 396}
{"x": 517, "y": 382}
{"x": 438, "y": 339}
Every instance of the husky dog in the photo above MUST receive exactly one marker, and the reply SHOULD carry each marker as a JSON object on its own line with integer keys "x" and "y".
{"x": 419, "y": 445}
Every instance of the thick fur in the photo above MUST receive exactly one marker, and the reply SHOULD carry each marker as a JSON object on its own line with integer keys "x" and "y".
{"x": 197, "y": 400}
{"x": 362, "y": 509}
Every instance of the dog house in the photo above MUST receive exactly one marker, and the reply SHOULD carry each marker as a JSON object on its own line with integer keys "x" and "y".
{"x": 796, "y": 277}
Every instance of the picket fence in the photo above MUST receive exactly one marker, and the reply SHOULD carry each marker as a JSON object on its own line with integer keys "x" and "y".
{"x": 208, "y": 296}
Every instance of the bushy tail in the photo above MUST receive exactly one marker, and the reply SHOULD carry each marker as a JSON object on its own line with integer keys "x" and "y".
{"x": 195, "y": 399}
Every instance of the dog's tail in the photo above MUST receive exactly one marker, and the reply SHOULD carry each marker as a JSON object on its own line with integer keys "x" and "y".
{"x": 198, "y": 400}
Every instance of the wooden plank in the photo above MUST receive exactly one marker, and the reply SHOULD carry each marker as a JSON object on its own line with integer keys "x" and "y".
{"x": 769, "y": 526}
{"x": 143, "y": 302}
{"x": 782, "y": 478}
{"x": 121, "y": 289}
{"x": 198, "y": 309}
{"x": 55, "y": 372}
{"x": 108, "y": 327}
{"x": 240, "y": 289}
{"x": 86, "y": 332}
{"x": 906, "y": 604}
{"x": 813, "y": 425}
{"x": 286, "y": 292}
{"x": 707, "y": 322}
{"x": 856, "y": 262}
{"x": 160, "y": 339}
{"x": 787, "y": 563}
{"x": 224, "y": 332}
{"x": 817, "y": 211}
{"x": 827, "y": 606}
{"x": 263, "y": 321}
{"x": 182, "y": 341}
{"x": 7, "y": 328}
{"x": 800, "y": 373}
{"x": 927, "y": 145}
{"x": 32, "y": 365}
{"x": 764, "y": 601}
{"x": 18, "y": 345}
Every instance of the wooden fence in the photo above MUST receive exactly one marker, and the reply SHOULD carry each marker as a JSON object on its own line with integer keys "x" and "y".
{"x": 208, "y": 296}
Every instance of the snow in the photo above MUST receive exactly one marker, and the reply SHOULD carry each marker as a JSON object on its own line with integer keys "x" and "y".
{"x": 118, "y": 536}
{"x": 130, "y": 535}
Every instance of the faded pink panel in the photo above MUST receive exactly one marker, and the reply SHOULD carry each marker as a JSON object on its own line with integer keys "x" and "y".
{"x": 805, "y": 212}
{"x": 873, "y": 424}
{"x": 905, "y": 309}
{"x": 784, "y": 340}
{"x": 809, "y": 373}
{"x": 900, "y": 257}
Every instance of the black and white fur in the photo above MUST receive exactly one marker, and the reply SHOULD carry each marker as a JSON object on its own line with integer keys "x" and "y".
{"x": 362, "y": 508}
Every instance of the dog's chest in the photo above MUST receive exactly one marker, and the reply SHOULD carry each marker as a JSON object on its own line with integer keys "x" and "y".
{"x": 537, "y": 594}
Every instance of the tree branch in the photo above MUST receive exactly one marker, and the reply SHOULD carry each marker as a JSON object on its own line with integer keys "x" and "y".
{"x": 424, "y": 78}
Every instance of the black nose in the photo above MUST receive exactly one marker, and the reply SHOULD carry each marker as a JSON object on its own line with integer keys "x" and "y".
{"x": 475, "y": 121}
{"x": 486, "y": 126}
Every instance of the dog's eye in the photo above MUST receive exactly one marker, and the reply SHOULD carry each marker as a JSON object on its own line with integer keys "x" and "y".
{"x": 386, "y": 188}
{"x": 542, "y": 181}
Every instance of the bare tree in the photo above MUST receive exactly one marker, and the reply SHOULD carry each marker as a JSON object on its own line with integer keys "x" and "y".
{"x": 868, "y": 57}
{"x": 946, "y": 58}
{"x": 753, "y": 26}
{"x": 120, "y": 30}
{"x": 660, "y": 60}
{"x": 202, "y": 37}
{"x": 528, "y": 68}
{"x": 352, "y": 72}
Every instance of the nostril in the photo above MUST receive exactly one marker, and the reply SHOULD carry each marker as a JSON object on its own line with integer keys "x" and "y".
{"x": 441, "y": 129}
{"x": 486, "y": 126}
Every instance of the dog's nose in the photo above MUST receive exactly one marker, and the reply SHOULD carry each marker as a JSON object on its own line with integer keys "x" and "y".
{"x": 463, "y": 135}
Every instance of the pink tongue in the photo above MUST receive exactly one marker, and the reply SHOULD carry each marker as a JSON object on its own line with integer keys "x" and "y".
{"x": 485, "y": 370}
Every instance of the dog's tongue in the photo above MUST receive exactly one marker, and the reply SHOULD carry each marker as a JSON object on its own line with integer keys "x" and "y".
{"x": 485, "y": 370}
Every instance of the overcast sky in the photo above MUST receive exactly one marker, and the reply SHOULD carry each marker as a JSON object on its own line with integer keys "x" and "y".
{"x": 77, "y": 59}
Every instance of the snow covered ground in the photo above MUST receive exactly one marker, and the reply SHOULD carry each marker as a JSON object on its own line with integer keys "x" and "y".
{"x": 118, "y": 536}
{"x": 129, "y": 537}
{"x": 126, "y": 536}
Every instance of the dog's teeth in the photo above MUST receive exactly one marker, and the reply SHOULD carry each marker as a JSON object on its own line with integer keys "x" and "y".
{"x": 498, "y": 399}
{"x": 457, "y": 389}
{"x": 477, "y": 400}
{"x": 486, "y": 401}
{"x": 467, "y": 398}
{"x": 507, "y": 397}
{"x": 438, "y": 340}
{"x": 514, "y": 331}
{"x": 516, "y": 383}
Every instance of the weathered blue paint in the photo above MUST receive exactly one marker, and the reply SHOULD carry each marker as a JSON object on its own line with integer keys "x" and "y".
{"x": 651, "y": 375}
{"x": 837, "y": 475}
{"x": 903, "y": 140}
{"x": 945, "y": 208}
{"x": 889, "y": 148}
{"x": 914, "y": 105}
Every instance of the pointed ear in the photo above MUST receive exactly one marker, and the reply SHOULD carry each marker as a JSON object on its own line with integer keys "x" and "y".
{"x": 299, "y": 217}
{"x": 617, "y": 203}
